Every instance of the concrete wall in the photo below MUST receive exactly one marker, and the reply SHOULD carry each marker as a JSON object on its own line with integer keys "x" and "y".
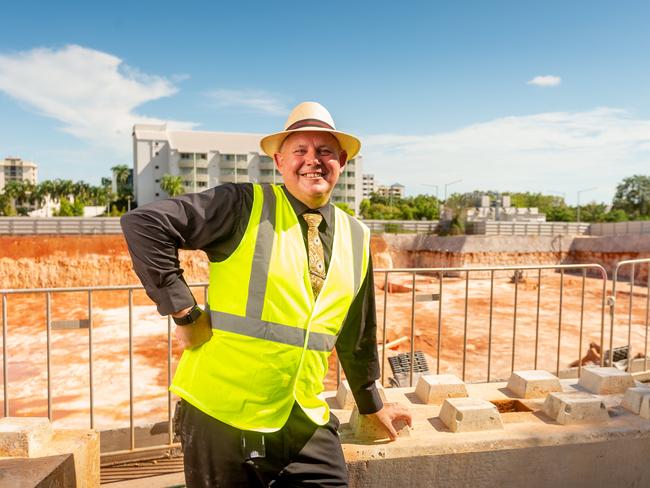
{"x": 615, "y": 463}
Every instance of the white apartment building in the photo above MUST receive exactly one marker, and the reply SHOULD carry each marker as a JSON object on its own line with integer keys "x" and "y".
{"x": 206, "y": 159}
{"x": 369, "y": 186}
{"x": 15, "y": 169}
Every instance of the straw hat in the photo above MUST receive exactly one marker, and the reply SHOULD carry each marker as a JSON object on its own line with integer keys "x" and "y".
{"x": 310, "y": 116}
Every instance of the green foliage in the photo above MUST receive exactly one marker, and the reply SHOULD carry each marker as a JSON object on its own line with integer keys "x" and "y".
{"x": 633, "y": 197}
{"x": 421, "y": 207}
{"x": 172, "y": 185}
{"x": 345, "y": 207}
{"x": 68, "y": 209}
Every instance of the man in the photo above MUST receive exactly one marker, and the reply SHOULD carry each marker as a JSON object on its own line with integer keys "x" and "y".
{"x": 290, "y": 279}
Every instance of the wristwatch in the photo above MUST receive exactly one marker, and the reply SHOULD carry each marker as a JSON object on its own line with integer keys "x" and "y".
{"x": 191, "y": 316}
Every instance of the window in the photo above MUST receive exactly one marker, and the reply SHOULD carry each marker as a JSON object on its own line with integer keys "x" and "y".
{"x": 242, "y": 171}
{"x": 157, "y": 194}
{"x": 186, "y": 155}
{"x": 201, "y": 184}
{"x": 156, "y": 167}
{"x": 242, "y": 157}
{"x": 265, "y": 159}
{"x": 157, "y": 180}
{"x": 226, "y": 172}
{"x": 201, "y": 156}
{"x": 227, "y": 157}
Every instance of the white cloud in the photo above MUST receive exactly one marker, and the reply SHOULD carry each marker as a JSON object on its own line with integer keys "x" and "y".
{"x": 93, "y": 94}
{"x": 255, "y": 100}
{"x": 548, "y": 80}
{"x": 559, "y": 151}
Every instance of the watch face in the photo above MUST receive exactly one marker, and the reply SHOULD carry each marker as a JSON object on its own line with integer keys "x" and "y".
{"x": 190, "y": 318}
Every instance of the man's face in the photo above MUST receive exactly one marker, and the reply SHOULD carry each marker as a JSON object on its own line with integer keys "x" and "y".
{"x": 310, "y": 164}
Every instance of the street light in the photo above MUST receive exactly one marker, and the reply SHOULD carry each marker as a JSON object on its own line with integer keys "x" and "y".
{"x": 579, "y": 192}
{"x": 449, "y": 184}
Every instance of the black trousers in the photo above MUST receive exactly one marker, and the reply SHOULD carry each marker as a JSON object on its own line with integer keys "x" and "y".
{"x": 301, "y": 454}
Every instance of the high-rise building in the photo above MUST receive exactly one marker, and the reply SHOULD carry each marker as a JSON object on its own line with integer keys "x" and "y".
{"x": 206, "y": 159}
{"x": 15, "y": 169}
{"x": 369, "y": 186}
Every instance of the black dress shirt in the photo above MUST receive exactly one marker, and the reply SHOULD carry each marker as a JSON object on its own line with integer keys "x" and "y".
{"x": 215, "y": 221}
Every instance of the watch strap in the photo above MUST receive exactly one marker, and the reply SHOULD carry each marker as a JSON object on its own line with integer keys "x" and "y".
{"x": 189, "y": 318}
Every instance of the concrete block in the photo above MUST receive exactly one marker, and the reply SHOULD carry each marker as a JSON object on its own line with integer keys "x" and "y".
{"x": 470, "y": 415}
{"x": 605, "y": 381}
{"x": 575, "y": 408}
{"x": 635, "y": 398}
{"x": 435, "y": 389}
{"x": 24, "y": 436}
{"x": 366, "y": 429}
{"x": 533, "y": 383}
{"x": 344, "y": 398}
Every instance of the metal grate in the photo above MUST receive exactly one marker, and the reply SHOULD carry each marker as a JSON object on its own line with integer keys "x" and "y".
{"x": 141, "y": 469}
{"x": 401, "y": 367}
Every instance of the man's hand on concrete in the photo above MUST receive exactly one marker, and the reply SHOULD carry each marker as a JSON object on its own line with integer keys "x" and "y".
{"x": 193, "y": 335}
{"x": 388, "y": 415}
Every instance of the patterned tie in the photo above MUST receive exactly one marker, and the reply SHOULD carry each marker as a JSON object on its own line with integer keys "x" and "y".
{"x": 316, "y": 256}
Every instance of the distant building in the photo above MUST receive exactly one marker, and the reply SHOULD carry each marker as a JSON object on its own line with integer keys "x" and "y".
{"x": 395, "y": 190}
{"x": 207, "y": 159}
{"x": 15, "y": 169}
{"x": 499, "y": 209}
{"x": 369, "y": 186}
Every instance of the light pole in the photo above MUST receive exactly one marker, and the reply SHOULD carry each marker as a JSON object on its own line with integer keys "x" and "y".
{"x": 449, "y": 184}
{"x": 579, "y": 192}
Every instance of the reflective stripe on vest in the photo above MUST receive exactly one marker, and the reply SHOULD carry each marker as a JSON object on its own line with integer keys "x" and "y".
{"x": 271, "y": 339}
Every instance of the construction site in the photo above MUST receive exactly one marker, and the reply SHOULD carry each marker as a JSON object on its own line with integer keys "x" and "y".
{"x": 491, "y": 341}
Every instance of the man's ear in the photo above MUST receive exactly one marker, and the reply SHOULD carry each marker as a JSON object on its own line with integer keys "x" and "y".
{"x": 343, "y": 158}
{"x": 277, "y": 158}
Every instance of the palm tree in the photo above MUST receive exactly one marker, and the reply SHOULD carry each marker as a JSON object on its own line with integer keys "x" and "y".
{"x": 172, "y": 185}
{"x": 121, "y": 173}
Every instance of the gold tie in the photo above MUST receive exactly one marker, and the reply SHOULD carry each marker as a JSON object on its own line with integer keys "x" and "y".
{"x": 316, "y": 255}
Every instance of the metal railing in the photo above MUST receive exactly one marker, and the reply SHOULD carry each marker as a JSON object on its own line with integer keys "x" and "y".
{"x": 402, "y": 226}
{"x": 635, "y": 267}
{"x": 450, "y": 287}
{"x": 582, "y": 269}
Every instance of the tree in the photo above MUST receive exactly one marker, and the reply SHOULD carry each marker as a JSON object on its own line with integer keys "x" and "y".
{"x": 172, "y": 185}
{"x": 633, "y": 197}
{"x": 121, "y": 173}
{"x": 345, "y": 207}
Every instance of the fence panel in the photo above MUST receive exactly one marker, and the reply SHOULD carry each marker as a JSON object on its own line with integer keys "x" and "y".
{"x": 629, "y": 311}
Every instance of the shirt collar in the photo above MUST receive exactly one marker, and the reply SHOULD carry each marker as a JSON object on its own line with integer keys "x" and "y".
{"x": 300, "y": 208}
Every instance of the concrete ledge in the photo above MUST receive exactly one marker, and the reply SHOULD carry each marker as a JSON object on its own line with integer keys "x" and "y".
{"x": 24, "y": 436}
{"x": 533, "y": 383}
{"x": 435, "y": 389}
{"x": 470, "y": 415}
{"x": 637, "y": 400}
{"x": 575, "y": 408}
{"x": 345, "y": 399}
{"x": 41, "y": 472}
{"x": 364, "y": 428}
{"x": 605, "y": 381}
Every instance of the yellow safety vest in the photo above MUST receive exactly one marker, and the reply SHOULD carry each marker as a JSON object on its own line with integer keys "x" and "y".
{"x": 271, "y": 340}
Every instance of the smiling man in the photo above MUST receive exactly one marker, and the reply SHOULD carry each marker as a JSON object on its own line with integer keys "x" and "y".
{"x": 290, "y": 280}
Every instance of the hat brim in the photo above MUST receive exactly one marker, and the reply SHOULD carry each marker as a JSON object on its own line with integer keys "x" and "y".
{"x": 271, "y": 144}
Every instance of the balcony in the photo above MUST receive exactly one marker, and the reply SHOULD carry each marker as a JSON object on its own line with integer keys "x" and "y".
{"x": 190, "y": 163}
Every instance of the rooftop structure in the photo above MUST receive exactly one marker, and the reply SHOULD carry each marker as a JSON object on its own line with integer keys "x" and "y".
{"x": 207, "y": 159}
{"x": 395, "y": 190}
{"x": 16, "y": 169}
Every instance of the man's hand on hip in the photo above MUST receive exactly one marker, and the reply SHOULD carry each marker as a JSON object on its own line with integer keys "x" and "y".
{"x": 193, "y": 335}
{"x": 388, "y": 415}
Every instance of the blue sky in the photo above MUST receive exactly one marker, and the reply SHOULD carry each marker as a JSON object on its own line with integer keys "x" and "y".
{"x": 536, "y": 96}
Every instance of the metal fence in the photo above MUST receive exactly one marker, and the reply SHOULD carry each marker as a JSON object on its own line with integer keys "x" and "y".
{"x": 632, "y": 330}
{"x": 529, "y": 228}
{"x": 59, "y": 225}
{"x": 482, "y": 324}
{"x": 402, "y": 226}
